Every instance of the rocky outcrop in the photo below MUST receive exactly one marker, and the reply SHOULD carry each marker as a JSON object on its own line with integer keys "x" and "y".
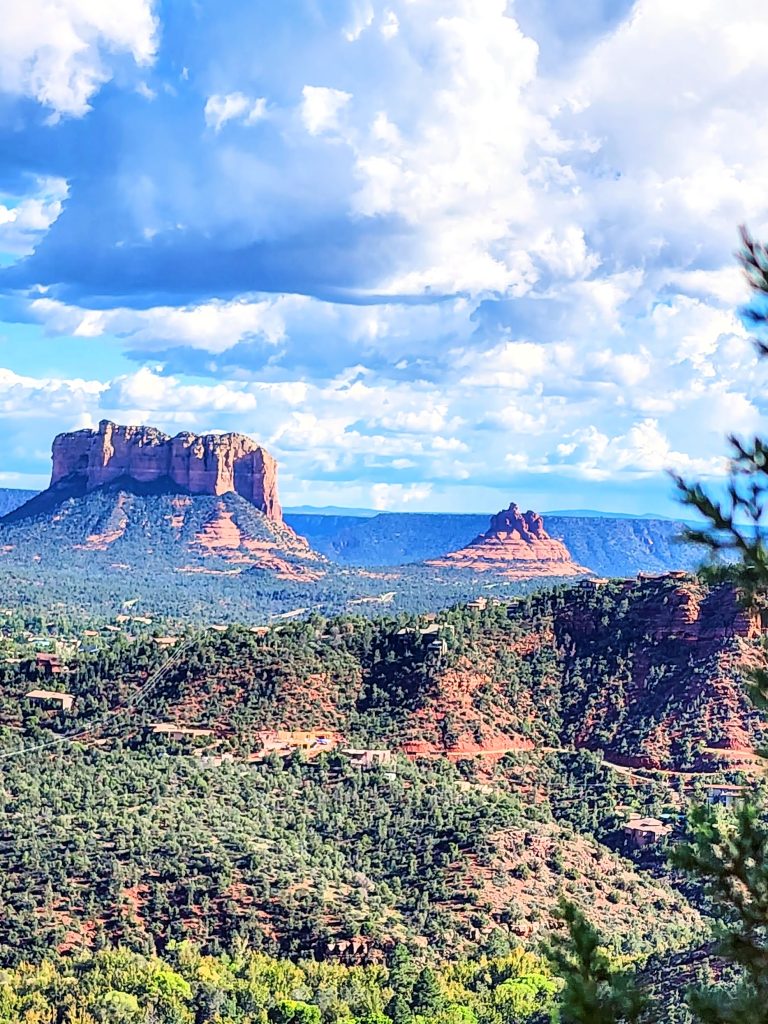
{"x": 517, "y": 546}
{"x": 212, "y": 464}
{"x": 673, "y": 654}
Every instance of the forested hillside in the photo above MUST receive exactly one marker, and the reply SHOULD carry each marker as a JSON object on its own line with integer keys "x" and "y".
{"x": 645, "y": 671}
{"x": 295, "y": 858}
{"x": 344, "y": 789}
{"x": 11, "y": 498}
{"x": 197, "y": 558}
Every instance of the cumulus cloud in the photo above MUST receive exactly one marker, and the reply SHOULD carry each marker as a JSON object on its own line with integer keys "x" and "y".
{"x": 24, "y": 220}
{"x": 234, "y": 106}
{"x": 152, "y": 393}
{"x": 213, "y": 327}
{"x": 48, "y": 396}
{"x": 525, "y": 274}
{"x": 643, "y": 451}
{"x": 321, "y": 106}
{"x": 59, "y": 54}
{"x": 388, "y": 496}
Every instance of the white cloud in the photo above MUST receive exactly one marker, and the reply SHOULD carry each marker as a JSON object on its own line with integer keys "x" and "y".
{"x": 363, "y": 16}
{"x": 456, "y": 164}
{"x": 321, "y": 106}
{"x": 56, "y": 53}
{"x": 696, "y": 331}
{"x": 234, "y": 106}
{"x": 415, "y": 421}
{"x": 212, "y": 326}
{"x": 153, "y": 393}
{"x": 336, "y": 331}
{"x": 24, "y": 220}
{"x": 390, "y": 496}
{"x": 643, "y": 451}
{"x": 47, "y": 397}
{"x": 390, "y": 25}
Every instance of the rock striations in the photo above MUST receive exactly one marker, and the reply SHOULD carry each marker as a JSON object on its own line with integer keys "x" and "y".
{"x": 134, "y": 498}
{"x": 516, "y": 546}
{"x": 211, "y": 464}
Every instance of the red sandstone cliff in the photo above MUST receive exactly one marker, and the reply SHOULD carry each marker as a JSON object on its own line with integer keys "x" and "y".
{"x": 517, "y": 546}
{"x": 200, "y": 464}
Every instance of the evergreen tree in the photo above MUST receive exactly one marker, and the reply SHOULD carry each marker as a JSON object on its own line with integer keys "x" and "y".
{"x": 594, "y": 992}
{"x": 398, "y": 1010}
{"x": 730, "y": 854}
{"x": 427, "y": 995}
{"x": 402, "y": 971}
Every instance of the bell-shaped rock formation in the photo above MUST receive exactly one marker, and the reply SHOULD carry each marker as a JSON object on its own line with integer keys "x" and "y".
{"x": 212, "y": 464}
{"x": 517, "y": 546}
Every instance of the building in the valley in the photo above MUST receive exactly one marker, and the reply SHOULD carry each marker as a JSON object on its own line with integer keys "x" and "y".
{"x": 166, "y": 641}
{"x": 724, "y": 795}
{"x": 49, "y": 664}
{"x": 216, "y": 760}
{"x": 65, "y": 701}
{"x": 286, "y": 740}
{"x": 179, "y": 732}
{"x": 645, "y": 831}
{"x": 368, "y": 758}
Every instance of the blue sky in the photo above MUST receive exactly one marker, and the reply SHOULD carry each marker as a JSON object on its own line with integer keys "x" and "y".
{"x": 435, "y": 254}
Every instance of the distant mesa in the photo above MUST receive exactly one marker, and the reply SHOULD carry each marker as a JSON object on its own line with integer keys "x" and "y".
{"x": 517, "y": 546}
{"x": 190, "y": 503}
{"x": 212, "y": 464}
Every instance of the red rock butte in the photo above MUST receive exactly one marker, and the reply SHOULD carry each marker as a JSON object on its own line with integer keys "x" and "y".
{"x": 196, "y": 464}
{"x": 517, "y": 546}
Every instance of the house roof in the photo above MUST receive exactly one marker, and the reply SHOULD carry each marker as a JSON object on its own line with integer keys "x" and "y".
{"x": 50, "y": 695}
{"x": 636, "y": 824}
{"x": 168, "y": 727}
{"x": 355, "y": 752}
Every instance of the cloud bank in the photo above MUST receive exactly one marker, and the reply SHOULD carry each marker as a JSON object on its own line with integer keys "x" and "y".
{"x": 434, "y": 252}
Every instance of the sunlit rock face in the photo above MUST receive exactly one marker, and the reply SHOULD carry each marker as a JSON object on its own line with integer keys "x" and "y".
{"x": 198, "y": 464}
{"x": 517, "y": 545}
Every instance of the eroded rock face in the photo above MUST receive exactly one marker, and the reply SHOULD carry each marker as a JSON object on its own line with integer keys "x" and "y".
{"x": 515, "y": 545}
{"x": 200, "y": 464}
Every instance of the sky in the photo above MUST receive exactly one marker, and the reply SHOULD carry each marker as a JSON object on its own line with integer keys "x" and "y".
{"x": 435, "y": 255}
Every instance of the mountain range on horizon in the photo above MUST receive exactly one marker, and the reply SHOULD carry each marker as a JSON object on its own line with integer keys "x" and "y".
{"x": 13, "y": 497}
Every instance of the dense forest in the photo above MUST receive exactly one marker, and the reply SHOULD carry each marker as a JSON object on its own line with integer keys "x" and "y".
{"x": 201, "y": 877}
{"x": 163, "y": 553}
{"x": 304, "y": 859}
{"x": 245, "y": 987}
{"x": 647, "y": 671}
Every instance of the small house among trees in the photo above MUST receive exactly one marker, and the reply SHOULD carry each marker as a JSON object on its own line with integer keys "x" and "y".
{"x": 645, "y": 831}
{"x": 179, "y": 732}
{"x": 64, "y": 700}
{"x": 368, "y": 758}
{"x": 723, "y": 795}
{"x": 286, "y": 740}
{"x": 49, "y": 664}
